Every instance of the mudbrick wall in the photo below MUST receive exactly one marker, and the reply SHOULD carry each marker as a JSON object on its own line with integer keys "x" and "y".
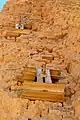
{"x": 53, "y": 29}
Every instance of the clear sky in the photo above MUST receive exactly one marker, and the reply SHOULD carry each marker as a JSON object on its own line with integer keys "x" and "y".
{"x": 2, "y": 2}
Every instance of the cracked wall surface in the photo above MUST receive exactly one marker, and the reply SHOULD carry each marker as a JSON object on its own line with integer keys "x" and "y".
{"x": 55, "y": 31}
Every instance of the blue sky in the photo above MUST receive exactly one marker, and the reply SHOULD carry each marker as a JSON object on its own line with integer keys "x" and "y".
{"x": 2, "y": 2}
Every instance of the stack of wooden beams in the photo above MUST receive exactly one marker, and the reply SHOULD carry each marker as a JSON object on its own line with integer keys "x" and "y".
{"x": 40, "y": 91}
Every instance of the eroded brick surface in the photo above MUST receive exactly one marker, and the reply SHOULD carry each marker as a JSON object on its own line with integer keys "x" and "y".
{"x": 55, "y": 32}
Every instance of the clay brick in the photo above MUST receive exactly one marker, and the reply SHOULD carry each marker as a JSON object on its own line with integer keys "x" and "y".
{"x": 48, "y": 57}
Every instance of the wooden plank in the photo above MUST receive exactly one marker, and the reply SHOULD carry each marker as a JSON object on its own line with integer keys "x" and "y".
{"x": 41, "y": 95}
{"x": 33, "y": 70}
{"x": 29, "y": 73}
{"x": 24, "y": 31}
{"x": 41, "y": 91}
{"x": 56, "y": 77}
{"x": 55, "y": 72}
{"x": 28, "y": 78}
{"x": 42, "y": 86}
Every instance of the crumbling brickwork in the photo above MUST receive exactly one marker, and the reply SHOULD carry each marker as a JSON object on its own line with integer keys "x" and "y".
{"x": 53, "y": 30}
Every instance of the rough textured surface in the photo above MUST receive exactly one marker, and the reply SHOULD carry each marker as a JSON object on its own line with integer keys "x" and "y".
{"x": 55, "y": 30}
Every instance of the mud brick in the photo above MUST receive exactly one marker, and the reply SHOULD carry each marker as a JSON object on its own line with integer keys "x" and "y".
{"x": 48, "y": 57}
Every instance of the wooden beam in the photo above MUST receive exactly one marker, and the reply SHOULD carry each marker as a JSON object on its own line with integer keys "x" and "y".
{"x": 44, "y": 86}
{"x": 41, "y": 91}
{"x": 41, "y": 95}
{"x": 29, "y": 73}
{"x": 55, "y": 72}
{"x": 28, "y": 76}
{"x": 22, "y": 31}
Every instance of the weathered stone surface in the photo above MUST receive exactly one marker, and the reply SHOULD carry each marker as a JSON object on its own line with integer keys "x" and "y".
{"x": 53, "y": 28}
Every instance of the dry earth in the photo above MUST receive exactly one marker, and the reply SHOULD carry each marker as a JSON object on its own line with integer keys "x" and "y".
{"x": 55, "y": 30}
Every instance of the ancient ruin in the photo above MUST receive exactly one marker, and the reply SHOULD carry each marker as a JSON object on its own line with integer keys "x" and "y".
{"x": 47, "y": 32}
